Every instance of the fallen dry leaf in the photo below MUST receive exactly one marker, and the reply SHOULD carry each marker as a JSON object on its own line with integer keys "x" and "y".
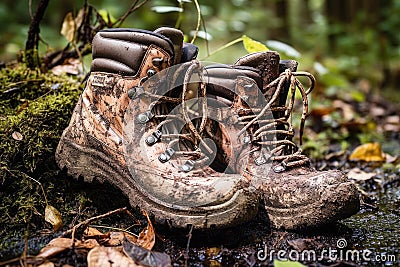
{"x": 92, "y": 232}
{"x": 61, "y": 244}
{"x": 53, "y": 216}
{"x": 54, "y": 247}
{"x": 116, "y": 238}
{"x": 109, "y": 256}
{"x": 147, "y": 236}
{"x": 70, "y": 66}
{"x": 360, "y": 175}
{"x": 144, "y": 256}
{"x": 370, "y": 152}
{"x": 17, "y": 136}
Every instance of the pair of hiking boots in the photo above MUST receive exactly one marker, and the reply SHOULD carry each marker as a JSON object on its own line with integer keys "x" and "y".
{"x": 198, "y": 144}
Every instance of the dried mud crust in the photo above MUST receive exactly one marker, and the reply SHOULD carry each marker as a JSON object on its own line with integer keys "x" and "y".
{"x": 90, "y": 163}
{"x": 340, "y": 203}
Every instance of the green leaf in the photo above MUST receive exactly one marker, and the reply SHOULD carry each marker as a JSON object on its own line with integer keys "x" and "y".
{"x": 253, "y": 46}
{"x": 288, "y": 263}
{"x": 106, "y": 16}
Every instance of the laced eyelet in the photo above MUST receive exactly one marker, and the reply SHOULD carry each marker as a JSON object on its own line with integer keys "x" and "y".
{"x": 150, "y": 72}
{"x": 249, "y": 87}
{"x": 153, "y": 138}
{"x": 246, "y": 139}
{"x": 281, "y": 167}
{"x": 157, "y": 62}
{"x": 166, "y": 156}
{"x": 260, "y": 160}
{"x": 135, "y": 92}
{"x": 188, "y": 166}
{"x": 145, "y": 117}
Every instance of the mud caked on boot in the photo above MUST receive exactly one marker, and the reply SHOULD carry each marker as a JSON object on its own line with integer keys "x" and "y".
{"x": 295, "y": 195}
{"x": 175, "y": 136}
{"x": 143, "y": 130}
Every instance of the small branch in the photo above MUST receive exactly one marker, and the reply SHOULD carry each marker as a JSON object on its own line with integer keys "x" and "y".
{"x": 198, "y": 21}
{"x": 32, "y": 42}
{"x": 88, "y": 221}
{"x": 135, "y": 6}
{"x": 238, "y": 40}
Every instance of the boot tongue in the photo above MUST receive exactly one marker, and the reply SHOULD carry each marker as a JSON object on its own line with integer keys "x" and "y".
{"x": 176, "y": 37}
{"x": 267, "y": 63}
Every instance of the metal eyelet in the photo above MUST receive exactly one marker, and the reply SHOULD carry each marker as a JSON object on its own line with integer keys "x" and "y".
{"x": 281, "y": 167}
{"x": 145, "y": 117}
{"x": 246, "y": 139}
{"x": 249, "y": 87}
{"x": 153, "y": 138}
{"x": 135, "y": 92}
{"x": 166, "y": 156}
{"x": 260, "y": 160}
{"x": 188, "y": 166}
{"x": 150, "y": 72}
{"x": 157, "y": 62}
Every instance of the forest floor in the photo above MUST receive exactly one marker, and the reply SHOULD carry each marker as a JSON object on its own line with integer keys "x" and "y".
{"x": 36, "y": 107}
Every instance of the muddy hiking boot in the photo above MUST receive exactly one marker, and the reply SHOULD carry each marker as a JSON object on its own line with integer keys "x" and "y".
{"x": 295, "y": 195}
{"x": 142, "y": 124}
{"x": 176, "y": 135}
{"x": 195, "y": 145}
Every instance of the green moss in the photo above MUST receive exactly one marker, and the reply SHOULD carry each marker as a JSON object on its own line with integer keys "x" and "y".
{"x": 38, "y": 106}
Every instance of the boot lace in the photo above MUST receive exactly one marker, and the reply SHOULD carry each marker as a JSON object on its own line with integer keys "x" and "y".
{"x": 178, "y": 129}
{"x": 274, "y": 135}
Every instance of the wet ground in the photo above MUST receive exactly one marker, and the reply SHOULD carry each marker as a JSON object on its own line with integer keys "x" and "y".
{"x": 370, "y": 238}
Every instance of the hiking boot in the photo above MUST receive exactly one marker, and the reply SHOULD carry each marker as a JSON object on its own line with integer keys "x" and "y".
{"x": 175, "y": 126}
{"x": 141, "y": 125}
{"x": 295, "y": 195}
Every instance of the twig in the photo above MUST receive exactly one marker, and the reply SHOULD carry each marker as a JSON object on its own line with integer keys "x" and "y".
{"x": 238, "y": 40}
{"x": 116, "y": 229}
{"x": 86, "y": 222}
{"x": 198, "y": 21}
{"x": 132, "y": 9}
{"x": 189, "y": 235}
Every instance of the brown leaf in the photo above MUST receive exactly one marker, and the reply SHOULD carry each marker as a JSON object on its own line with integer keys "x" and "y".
{"x": 71, "y": 24}
{"x": 61, "y": 244}
{"x": 147, "y": 236}
{"x": 53, "y": 216}
{"x": 359, "y": 175}
{"x": 69, "y": 27}
{"x": 108, "y": 256}
{"x": 92, "y": 232}
{"x": 70, "y": 66}
{"x": 116, "y": 238}
{"x": 370, "y": 152}
{"x": 144, "y": 256}
{"x": 17, "y": 136}
{"x": 54, "y": 247}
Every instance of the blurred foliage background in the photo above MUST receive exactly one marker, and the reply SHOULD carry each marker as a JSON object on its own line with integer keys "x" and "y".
{"x": 340, "y": 40}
